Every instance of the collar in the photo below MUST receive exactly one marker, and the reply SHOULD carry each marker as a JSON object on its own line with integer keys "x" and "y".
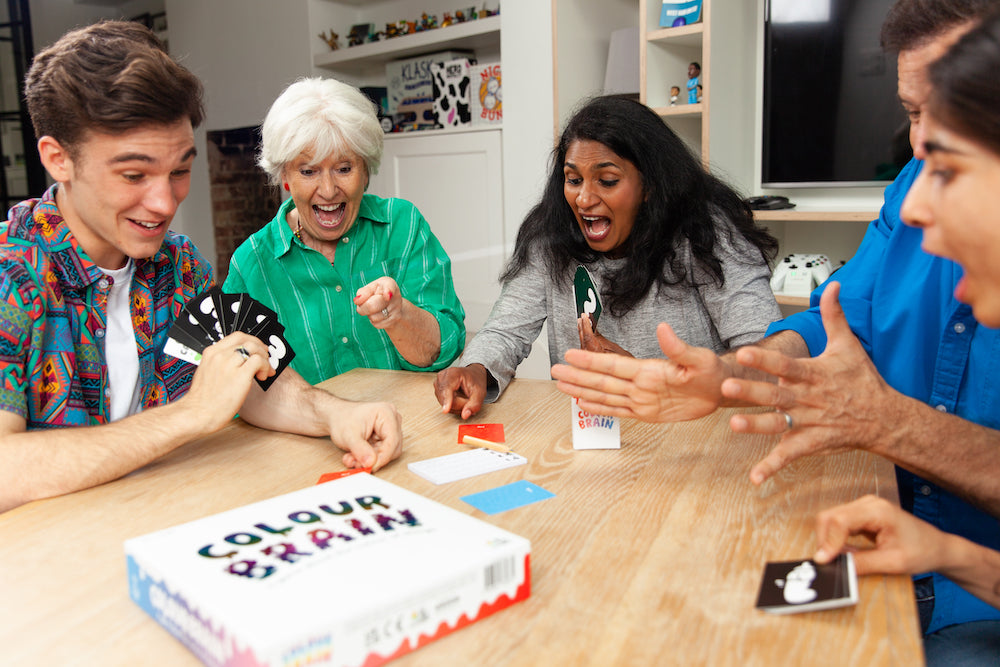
{"x": 40, "y": 222}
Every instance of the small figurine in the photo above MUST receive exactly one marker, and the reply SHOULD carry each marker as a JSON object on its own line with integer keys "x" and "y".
{"x": 459, "y": 16}
{"x": 699, "y": 93}
{"x": 675, "y": 92}
{"x": 391, "y": 30}
{"x": 331, "y": 41}
{"x": 486, "y": 13}
{"x": 694, "y": 73}
{"x": 359, "y": 33}
{"x": 426, "y": 22}
{"x": 447, "y": 20}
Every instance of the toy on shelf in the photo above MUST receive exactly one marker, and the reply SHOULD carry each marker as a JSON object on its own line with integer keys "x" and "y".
{"x": 331, "y": 41}
{"x": 694, "y": 78}
{"x": 675, "y": 92}
{"x": 427, "y": 22}
{"x": 360, "y": 33}
{"x": 447, "y": 20}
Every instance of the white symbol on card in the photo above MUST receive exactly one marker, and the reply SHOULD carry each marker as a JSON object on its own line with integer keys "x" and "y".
{"x": 797, "y": 584}
{"x": 590, "y": 305}
{"x": 275, "y": 350}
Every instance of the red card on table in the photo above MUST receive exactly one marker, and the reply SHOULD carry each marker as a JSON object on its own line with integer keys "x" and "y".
{"x": 326, "y": 477}
{"x": 491, "y": 432}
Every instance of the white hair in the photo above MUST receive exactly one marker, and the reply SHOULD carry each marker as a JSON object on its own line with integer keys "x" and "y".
{"x": 320, "y": 117}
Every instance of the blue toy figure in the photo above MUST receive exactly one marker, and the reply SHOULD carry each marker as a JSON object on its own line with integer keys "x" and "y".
{"x": 694, "y": 76}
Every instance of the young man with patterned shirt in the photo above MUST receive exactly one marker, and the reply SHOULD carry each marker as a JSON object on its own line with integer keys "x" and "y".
{"x": 92, "y": 280}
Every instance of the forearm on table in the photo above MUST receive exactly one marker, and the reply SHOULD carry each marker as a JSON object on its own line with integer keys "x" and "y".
{"x": 52, "y": 462}
{"x": 958, "y": 455}
{"x": 416, "y": 335}
{"x": 292, "y": 405}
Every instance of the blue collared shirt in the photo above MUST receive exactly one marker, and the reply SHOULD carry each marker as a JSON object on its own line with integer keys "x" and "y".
{"x": 900, "y": 304}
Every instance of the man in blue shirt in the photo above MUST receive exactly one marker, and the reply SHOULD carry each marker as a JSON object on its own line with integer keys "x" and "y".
{"x": 906, "y": 326}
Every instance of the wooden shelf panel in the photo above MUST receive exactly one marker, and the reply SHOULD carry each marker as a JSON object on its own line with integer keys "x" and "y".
{"x": 789, "y": 300}
{"x": 815, "y": 215}
{"x": 478, "y": 34}
{"x": 681, "y": 109}
{"x": 688, "y": 35}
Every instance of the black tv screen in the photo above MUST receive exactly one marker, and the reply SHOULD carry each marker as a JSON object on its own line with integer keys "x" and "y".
{"x": 831, "y": 114}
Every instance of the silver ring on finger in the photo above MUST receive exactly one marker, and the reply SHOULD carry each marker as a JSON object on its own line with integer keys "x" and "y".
{"x": 385, "y": 313}
{"x": 789, "y": 422}
{"x": 243, "y": 353}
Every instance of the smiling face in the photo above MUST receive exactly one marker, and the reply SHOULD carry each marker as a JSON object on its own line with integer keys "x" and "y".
{"x": 952, "y": 201}
{"x": 604, "y": 190}
{"x": 120, "y": 192}
{"x": 327, "y": 194}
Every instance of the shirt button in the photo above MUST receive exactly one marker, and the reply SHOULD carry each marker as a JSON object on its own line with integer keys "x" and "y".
{"x": 103, "y": 283}
{"x": 99, "y": 333}
{"x": 344, "y": 340}
{"x": 925, "y": 490}
{"x": 941, "y": 408}
{"x": 959, "y": 327}
{"x": 339, "y": 288}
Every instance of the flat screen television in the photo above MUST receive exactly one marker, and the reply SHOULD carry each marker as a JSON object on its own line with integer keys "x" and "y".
{"x": 831, "y": 114}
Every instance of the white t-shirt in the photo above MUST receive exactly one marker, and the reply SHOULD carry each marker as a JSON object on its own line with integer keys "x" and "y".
{"x": 119, "y": 346}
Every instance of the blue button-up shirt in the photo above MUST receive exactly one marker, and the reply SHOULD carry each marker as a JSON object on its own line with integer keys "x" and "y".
{"x": 900, "y": 304}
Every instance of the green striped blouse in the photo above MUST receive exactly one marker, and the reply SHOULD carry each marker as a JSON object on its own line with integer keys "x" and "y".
{"x": 314, "y": 299}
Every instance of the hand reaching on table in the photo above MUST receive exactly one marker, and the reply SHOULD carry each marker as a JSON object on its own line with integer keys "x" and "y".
{"x": 836, "y": 401}
{"x": 370, "y": 433}
{"x": 461, "y": 389}
{"x": 903, "y": 544}
{"x": 683, "y": 386}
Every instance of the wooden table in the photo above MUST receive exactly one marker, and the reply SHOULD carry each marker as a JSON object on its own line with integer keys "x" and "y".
{"x": 651, "y": 554}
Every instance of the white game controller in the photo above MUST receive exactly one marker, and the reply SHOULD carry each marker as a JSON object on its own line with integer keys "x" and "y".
{"x": 800, "y": 274}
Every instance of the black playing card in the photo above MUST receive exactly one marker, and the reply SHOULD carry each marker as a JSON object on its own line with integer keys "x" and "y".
{"x": 228, "y": 308}
{"x": 804, "y": 585}
{"x": 202, "y": 309}
{"x": 280, "y": 353}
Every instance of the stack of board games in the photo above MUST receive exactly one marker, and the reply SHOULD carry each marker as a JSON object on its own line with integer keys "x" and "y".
{"x": 354, "y": 571}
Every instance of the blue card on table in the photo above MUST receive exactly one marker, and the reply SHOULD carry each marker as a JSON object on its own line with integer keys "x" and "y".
{"x": 507, "y": 497}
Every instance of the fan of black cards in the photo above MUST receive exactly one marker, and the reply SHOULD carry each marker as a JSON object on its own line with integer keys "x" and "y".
{"x": 213, "y": 314}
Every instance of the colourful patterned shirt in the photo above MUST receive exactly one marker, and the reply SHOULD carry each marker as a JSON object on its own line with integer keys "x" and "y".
{"x": 53, "y": 313}
{"x": 314, "y": 299}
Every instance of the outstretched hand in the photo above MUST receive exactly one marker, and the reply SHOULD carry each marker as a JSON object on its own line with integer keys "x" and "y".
{"x": 683, "y": 386}
{"x": 837, "y": 401}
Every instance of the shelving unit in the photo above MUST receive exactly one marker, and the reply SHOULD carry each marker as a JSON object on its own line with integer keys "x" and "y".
{"x": 472, "y": 35}
{"x": 664, "y": 55}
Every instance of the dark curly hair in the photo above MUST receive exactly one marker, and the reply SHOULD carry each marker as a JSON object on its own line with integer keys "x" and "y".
{"x": 682, "y": 201}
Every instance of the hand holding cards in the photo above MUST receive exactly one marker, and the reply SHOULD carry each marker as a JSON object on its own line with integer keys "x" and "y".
{"x": 212, "y": 315}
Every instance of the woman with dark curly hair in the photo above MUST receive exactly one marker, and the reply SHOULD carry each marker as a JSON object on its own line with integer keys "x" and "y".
{"x": 663, "y": 240}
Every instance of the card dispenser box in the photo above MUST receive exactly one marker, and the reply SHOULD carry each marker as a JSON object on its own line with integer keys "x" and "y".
{"x": 408, "y": 82}
{"x": 355, "y": 571}
{"x": 486, "y": 94}
{"x": 676, "y": 13}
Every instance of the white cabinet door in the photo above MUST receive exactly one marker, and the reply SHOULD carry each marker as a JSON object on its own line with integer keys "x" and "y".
{"x": 456, "y": 182}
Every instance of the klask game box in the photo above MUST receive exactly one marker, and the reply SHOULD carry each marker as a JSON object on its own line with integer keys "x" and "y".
{"x": 355, "y": 571}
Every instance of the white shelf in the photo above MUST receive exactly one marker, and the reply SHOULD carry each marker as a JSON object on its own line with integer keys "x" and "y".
{"x": 816, "y": 215}
{"x": 389, "y": 136}
{"x": 472, "y": 35}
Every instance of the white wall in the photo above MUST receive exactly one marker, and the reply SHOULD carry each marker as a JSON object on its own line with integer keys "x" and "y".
{"x": 245, "y": 52}
{"x": 50, "y": 19}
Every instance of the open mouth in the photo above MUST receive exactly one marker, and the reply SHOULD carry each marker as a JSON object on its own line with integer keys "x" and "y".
{"x": 595, "y": 228}
{"x": 331, "y": 215}
{"x": 147, "y": 225}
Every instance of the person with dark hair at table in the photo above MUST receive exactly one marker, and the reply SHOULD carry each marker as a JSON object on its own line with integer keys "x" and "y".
{"x": 662, "y": 238}
{"x": 93, "y": 280}
{"x": 912, "y": 379}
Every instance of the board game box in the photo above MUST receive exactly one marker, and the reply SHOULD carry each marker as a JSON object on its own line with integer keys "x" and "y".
{"x": 354, "y": 571}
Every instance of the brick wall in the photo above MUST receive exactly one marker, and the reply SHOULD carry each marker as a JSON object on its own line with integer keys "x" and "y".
{"x": 242, "y": 201}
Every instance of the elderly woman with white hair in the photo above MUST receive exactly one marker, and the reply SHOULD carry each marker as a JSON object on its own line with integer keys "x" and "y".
{"x": 357, "y": 280}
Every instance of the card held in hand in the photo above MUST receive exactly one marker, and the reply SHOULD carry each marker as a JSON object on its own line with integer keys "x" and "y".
{"x": 213, "y": 314}
{"x": 795, "y": 586}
